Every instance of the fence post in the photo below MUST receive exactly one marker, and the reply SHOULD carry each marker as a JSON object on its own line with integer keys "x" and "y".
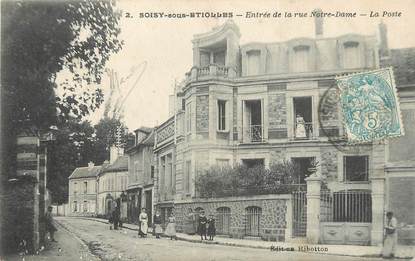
{"x": 313, "y": 208}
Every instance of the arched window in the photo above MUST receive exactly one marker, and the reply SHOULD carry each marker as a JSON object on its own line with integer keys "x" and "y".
{"x": 223, "y": 220}
{"x": 253, "y": 63}
{"x": 253, "y": 220}
{"x": 351, "y": 56}
{"x": 301, "y": 58}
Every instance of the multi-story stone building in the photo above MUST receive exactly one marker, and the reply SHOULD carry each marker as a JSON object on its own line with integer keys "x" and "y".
{"x": 259, "y": 103}
{"x": 112, "y": 183}
{"x": 83, "y": 190}
{"x": 140, "y": 174}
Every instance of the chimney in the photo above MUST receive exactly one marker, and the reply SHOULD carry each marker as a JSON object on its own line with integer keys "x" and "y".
{"x": 318, "y": 22}
{"x": 90, "y": 165}
{"x": 115, "y": 152}
{"x": 383, "y": 40}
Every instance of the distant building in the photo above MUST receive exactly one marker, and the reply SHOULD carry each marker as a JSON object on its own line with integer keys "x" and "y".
{"x": 83, "y": 190}
{"x": 140, "y": 174}
{"x": 112, "y": 183}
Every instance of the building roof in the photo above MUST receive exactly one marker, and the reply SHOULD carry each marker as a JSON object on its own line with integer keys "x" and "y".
{"x": 85, "y": 172}
{"x": 120, "y": 164}
{"x": 148, "y": 141}
{"x": 403, "y": 63}
{"x": 144, "y": 129}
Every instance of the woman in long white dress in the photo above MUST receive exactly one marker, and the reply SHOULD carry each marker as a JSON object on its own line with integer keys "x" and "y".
{"x": 171, "y": 227}
{"x": 143, "y": 222}
{"x": 300, "y": 127}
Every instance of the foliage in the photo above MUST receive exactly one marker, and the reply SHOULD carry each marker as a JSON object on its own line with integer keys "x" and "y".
{"x": 41, "y": 39}
{"x": 240, "y": 180}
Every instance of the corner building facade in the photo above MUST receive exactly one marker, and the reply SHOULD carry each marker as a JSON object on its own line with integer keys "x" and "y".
{"x": 258, "y": 103}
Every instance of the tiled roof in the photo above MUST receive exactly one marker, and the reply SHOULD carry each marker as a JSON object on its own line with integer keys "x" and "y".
{"x": 120, "y": 164}
{"x": 148, "y": 140}
{"x": 403, "y": 63}
{"x": 85, "y": 172}
{"x": 144, "y": 129}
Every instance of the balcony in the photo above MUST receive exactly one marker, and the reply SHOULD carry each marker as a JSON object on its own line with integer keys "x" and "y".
{"x": 303, "y": 131}
{"x": 165, "y": 132}
{"x": 210, "y": 72}
{"x": 255, "y": 133}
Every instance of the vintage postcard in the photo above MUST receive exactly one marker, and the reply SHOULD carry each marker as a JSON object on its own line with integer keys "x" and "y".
{"x": 207, "y": 130}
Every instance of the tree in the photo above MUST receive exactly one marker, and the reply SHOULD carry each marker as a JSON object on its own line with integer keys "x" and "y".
{"x": 41, "y": 39}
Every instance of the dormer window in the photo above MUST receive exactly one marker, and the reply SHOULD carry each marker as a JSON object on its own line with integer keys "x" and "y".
{"x": 300, "y": 59}
{"x": 253, "y": 62}
{"x": 351, "y": 57}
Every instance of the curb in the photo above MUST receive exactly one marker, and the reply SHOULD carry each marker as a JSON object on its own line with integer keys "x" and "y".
{"x": 249, "y": 246}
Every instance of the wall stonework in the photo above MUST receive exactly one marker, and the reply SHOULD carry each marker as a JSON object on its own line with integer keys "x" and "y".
{"x": 277, "y": 111}
{"x": 329, "y": 163}
{"x": 272, "y": 221}
{"x": 277, "y": 155}
{"x": 202, "y": 113}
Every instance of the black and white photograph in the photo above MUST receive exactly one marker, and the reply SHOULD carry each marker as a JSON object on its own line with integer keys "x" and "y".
{"x": 207, "y": 130}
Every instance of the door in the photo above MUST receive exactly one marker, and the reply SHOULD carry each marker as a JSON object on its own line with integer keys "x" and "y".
{"x": 149, "y": 206}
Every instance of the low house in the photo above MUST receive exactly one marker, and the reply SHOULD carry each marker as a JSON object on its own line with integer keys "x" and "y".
{"x": 83, "y": 190}
{"x": 112, "y": 183}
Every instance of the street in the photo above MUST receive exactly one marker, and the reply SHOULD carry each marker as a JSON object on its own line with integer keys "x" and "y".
{"x": 125, "y": 245}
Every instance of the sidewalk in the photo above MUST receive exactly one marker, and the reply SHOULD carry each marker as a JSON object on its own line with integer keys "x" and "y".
{"x": 68, "y": 248}
{"x": 406, "y": 252}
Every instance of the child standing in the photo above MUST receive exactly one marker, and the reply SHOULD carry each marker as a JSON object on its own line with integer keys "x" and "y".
{"x": 211, "y": 227}
{"x": 202, "y": 225}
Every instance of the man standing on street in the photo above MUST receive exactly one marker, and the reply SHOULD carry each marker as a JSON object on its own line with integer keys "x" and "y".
{"x": 50, "y": 227}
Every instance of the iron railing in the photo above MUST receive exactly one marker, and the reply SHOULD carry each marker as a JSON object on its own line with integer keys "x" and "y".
{"x": 346, "y": 206}
{"x": 223, "y": 222}
{"x": 255, "y": 133}
{"x": 253, "y": 221}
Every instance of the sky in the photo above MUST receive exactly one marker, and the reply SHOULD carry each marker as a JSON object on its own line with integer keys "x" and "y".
{"x": 161, "y": 50}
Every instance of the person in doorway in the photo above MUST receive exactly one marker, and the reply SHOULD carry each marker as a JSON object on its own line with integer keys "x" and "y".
{"x": 143, "y": 219}
{"x": 50, "y": 227}
{"x": 300, "y": 131}
{"x": 391, "y": 236}
{"x": 202, "y": 225}
{"x": 211, "y": 231}
{"x": 171, "y": 227}
{"x": 190, "y": 228}
{"x": 158, "y": 230}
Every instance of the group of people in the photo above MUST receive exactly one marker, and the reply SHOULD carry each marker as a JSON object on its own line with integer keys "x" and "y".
{"x": 157, "y": 225}
{"x": 206, "y": 226}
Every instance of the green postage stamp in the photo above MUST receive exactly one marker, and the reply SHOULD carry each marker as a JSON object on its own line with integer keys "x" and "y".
{"x": 370, "y": 106}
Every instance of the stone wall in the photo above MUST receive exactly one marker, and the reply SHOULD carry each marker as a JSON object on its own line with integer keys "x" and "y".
{"x": 273, "y": 221}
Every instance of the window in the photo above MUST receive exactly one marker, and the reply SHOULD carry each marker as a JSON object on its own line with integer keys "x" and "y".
{"x": 136, "y": 170}
{"x": 188, "y": 117}
{"x": 85, "y": 187}
{"x": 221, "y": 115}
{"x": 356, "y": 168}
{"x": 188, "y": 175}
{"x": 75, "y": 206}
{"x": 85, "y": 206}
{"x": 351, "y": 55}
{"x": 250, "y": 163}
{"x": 300, "y": 59}
{"x": 204, "y": 59}
{"x": 219, "y": 57}
{"x": 75, "y": 188}
{"x": 222, "y": 163}
{"x": 253, "y": 62}
{"x": 252, "y": 121}
{"x": 303, "y": 120}
{"x": 152, "y": 172}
